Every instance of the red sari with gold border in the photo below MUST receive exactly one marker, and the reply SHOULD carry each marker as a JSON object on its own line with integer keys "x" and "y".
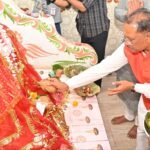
{"x": 21, "y": 124}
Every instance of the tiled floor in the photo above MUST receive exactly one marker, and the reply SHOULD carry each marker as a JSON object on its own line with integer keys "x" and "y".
{"x": 111, "y": 106}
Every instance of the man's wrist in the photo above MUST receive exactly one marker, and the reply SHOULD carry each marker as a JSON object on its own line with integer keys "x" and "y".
{"x": 133, "y": 87}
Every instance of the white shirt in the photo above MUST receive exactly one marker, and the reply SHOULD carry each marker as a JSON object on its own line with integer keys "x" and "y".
{"x": 107, "y": 66}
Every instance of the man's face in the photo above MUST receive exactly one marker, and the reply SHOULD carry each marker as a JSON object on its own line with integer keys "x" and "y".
{"x": 136, "y": 41}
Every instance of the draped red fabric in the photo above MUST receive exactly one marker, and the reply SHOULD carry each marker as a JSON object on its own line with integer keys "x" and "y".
{"x": 29, "y": 74}
{"x": 140, "y": 65}
{"x": 21, "y": 124}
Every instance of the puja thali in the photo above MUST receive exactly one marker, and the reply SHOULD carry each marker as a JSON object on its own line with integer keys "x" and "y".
{"x": 147, "y": 124}
{"x": 88, "y": 90}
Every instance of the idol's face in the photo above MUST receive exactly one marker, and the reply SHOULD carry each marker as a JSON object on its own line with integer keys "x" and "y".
{"x": 136, "y": 41}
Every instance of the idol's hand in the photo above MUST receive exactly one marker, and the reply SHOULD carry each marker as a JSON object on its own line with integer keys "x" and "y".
{"x": 121, "y": 86}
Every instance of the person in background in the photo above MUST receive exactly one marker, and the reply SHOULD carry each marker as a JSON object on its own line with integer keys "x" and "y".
{"x": 40, "y": 5}
{"x": 52, "y": 8}
{"x": 92, "y": 24}
{"x": 135, "y": 51}
{"x": 130, "y": 99}
{"x": 55, "y": 11}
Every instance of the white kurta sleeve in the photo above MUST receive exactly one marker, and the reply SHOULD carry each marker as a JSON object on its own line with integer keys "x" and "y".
{"x": 107, "y": 66}
{"x": 143, "y": 89}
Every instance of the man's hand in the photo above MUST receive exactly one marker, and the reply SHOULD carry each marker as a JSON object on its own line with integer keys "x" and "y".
{"x": 134, "y": 5}
{"x": 121, "y": 86}
{"x": 60, "y": 86}
{"x": 46, "y": 86}
{"x": 62, "y": 3}
{"x": 53, "y": 85}
{"x": 77, "y": 4}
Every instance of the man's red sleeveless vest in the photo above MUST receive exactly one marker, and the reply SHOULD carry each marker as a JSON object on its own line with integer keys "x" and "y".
{"x": 140, "y": 65}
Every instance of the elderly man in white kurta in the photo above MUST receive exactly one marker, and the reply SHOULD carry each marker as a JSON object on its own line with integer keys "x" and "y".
{"x": 136, "y": 52}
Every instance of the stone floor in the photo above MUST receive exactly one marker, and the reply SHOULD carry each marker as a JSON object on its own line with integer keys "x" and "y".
{"x": 111, "y": 106}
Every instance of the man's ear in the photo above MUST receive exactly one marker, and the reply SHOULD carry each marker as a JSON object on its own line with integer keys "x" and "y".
{"x": 148, "y": 36}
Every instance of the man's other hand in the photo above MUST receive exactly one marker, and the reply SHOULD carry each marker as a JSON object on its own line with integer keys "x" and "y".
{"x": 121, "y": 86}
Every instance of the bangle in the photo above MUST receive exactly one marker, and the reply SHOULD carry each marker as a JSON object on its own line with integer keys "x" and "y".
{"x": 132, "y": 89}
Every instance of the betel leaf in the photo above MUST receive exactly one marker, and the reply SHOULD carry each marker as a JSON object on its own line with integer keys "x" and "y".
{"x": 56, "y": 67}
{"x": 73, "y": 70}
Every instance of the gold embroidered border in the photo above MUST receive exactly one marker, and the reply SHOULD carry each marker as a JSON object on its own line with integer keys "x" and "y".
{"x": 16, "y": 135}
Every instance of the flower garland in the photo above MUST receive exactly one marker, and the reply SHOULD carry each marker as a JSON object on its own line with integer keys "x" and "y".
{"x": 16, "y": 68}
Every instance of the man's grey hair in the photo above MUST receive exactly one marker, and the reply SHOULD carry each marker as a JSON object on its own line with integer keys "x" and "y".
{"x": 140, "y": 17}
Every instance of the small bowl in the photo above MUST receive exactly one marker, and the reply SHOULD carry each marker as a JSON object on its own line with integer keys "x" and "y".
{"x": 146, "y": 128}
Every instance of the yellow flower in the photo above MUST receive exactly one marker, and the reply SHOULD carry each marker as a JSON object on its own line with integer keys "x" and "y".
{"x": 75, "y": 103}
{"x": 33, "y": 95}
